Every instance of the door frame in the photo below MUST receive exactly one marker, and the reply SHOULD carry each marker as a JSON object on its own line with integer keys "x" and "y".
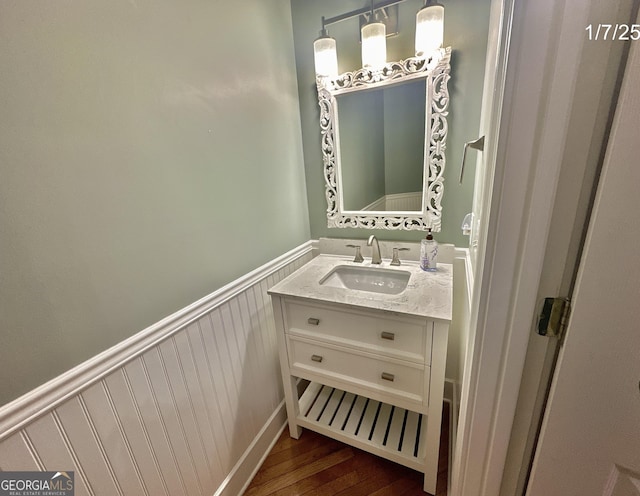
{"x": 546, "y": 41}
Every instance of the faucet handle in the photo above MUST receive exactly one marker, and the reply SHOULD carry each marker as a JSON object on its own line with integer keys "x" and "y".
{"x": 396, "y": 257}
{"x": 358, "y": 258}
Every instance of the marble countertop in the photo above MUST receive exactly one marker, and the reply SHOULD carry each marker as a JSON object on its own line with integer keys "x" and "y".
{"x": 428, "y": 294}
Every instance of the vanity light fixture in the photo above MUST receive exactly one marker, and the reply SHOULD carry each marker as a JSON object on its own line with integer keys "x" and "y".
{"x": 429, "y": 28}
{"x": 429, "y": 36}
{"x": 325, "y": 54}
{"x": 374, "y": 43}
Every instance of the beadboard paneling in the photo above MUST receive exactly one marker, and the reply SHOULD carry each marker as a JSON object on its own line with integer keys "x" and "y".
{"x": 176, "y": 417}
{"x": 397, "y": 202}
{"x": 404, "y": 201}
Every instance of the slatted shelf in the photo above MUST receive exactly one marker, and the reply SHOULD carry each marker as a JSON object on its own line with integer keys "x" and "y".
{"x": 385, "y": 430}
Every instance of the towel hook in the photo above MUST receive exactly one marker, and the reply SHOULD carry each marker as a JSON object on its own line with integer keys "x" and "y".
{"x": 476, "y": 145}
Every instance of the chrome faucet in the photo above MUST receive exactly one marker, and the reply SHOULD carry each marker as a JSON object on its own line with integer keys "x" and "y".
{"x": 375, "y": 251}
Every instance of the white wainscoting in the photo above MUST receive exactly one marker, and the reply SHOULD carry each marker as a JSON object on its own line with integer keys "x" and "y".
{"x": 187, "y": 407}
{"x": 399, "y": 201}
{"x": 404, "y": 201}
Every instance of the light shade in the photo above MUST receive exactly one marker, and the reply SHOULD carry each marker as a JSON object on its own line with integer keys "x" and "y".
{"x": 325, "y": 57}
{"x": 429, "y": 29}
{"x": 374, "y": 45}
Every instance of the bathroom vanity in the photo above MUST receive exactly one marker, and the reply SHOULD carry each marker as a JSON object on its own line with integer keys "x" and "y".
{"x": 372, "y": 341}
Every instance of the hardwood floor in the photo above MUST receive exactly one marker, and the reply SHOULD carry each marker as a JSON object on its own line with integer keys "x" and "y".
{"x": 315, "y": 465}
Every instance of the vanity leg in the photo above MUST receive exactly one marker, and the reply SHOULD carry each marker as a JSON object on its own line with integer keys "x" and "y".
{"x": 436, "y": 393}
{"x": 293, "y": 409}
{"x": 290, "y": 385}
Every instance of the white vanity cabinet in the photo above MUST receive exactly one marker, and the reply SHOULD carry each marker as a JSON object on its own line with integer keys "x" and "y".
{"x": 376, "y": 375}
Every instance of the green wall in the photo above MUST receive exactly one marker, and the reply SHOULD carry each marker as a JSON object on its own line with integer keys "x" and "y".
{"x": 150, "y": 152}
{"x": 404, "y": 109}
{"x": 363, "y": 161}
{"x": 466, "y": 30}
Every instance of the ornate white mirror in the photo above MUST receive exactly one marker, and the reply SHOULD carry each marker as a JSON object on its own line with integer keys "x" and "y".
{"x": 384, "y": 138}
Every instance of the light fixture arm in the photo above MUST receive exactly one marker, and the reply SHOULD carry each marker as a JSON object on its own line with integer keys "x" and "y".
{"x": 359, "y": 12}
{"x": 323, "y": 31}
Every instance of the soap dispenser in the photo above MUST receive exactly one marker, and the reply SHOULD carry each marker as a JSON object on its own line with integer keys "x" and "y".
{"x": 429, "y": 253}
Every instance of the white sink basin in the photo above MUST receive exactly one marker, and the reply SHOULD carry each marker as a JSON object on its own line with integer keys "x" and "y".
{"x": 372, "y": 279}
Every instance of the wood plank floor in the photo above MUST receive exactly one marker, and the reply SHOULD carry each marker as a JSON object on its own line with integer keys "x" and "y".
{"x": 315, "y": 465}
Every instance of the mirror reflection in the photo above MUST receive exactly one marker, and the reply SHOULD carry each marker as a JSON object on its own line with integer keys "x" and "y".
{"x": 382, "y": 158}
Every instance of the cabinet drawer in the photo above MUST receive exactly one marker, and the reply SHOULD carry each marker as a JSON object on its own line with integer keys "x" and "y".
{"x": 387, "y": 376}
{"x": 404, "y": 338}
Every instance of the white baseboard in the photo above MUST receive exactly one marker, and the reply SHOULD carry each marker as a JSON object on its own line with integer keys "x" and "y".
{"x": 453, "y": 429}
{"x": 252, "y": 459}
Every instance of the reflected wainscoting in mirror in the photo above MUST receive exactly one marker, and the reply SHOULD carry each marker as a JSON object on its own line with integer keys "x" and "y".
{"x": 347, "y": 168}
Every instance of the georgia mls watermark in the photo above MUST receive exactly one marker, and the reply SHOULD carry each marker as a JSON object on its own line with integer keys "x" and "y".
{"x": 36, "y": 484}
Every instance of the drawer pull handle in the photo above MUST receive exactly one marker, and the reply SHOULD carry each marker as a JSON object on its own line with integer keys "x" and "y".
{"x": 388, "y": 335}
{"x": 388, "y": 377}
{"x": 316, "y": 358}
{"x": 313, "y": 321}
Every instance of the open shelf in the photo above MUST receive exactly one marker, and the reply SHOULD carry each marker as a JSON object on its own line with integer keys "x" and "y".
{"x": 385, "y": 430}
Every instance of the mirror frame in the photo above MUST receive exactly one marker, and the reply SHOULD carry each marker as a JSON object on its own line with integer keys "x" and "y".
{"x": 435, "y": 71}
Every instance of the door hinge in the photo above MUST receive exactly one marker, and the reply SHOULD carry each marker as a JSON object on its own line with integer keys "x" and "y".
{"x": 553, "y": 317}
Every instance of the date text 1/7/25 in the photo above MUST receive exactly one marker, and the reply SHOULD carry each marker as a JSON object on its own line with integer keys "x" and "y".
{"x": 613, "y": 32}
